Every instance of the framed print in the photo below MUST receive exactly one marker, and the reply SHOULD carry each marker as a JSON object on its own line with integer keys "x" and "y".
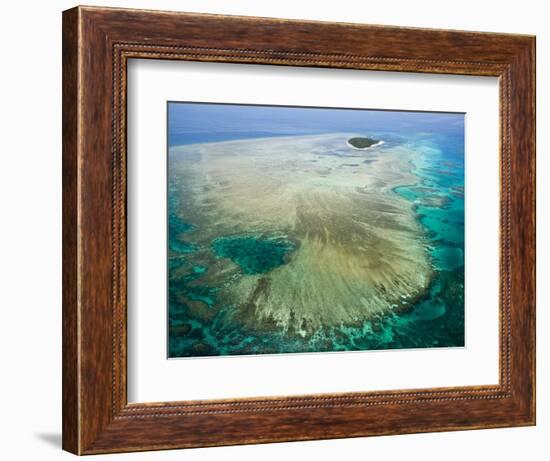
{"x": 281, "y": 230}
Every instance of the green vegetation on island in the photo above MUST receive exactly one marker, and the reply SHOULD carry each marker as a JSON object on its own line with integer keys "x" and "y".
{"x": 362, "y": 143}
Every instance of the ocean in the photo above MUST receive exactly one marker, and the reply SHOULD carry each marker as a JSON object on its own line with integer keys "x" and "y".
{"x": 437, "y": 199}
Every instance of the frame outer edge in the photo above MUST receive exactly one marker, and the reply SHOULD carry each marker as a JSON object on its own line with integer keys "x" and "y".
{"x": 91, "y": 418}
{"x": 70, "y": 190}
{"x": 529, "y": 60}
{"x": 533, "y": 51}
{"x": 522, "y": 247}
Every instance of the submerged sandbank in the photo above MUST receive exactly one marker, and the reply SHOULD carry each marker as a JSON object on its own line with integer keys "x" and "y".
{"x": 357, "y": 249}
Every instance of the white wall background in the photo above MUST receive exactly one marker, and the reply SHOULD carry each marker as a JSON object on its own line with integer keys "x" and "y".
{"x": 30, "y": 243}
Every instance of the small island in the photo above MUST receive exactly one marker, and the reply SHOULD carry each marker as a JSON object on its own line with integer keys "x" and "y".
{"x": 363, "y": 142}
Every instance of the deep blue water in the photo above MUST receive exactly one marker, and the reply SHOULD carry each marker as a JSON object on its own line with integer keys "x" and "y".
{"x": 437, "y": 320}
{"x": 191, "y": 123}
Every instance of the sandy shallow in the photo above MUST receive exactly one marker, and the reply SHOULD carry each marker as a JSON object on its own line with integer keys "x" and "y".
{"x": 360, "y": 251}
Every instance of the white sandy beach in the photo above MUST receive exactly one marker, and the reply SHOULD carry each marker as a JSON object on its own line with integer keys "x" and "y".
{"x": 379, "y": 143}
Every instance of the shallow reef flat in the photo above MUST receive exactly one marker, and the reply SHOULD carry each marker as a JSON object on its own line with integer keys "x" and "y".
{"x": 297, "y": 233}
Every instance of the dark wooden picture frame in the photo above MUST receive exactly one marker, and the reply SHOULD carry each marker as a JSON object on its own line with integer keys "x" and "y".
{"x": 97, "y": 44}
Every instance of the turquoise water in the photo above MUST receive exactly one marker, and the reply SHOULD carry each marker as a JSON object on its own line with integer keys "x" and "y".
{"x": 253, "y": 253}
{"x": 436, "y": 320}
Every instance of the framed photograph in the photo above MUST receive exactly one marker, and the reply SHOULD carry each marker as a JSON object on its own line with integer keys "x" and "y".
{"x": 281, "y": 230}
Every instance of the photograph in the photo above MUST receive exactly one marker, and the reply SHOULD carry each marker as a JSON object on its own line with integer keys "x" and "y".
{"x": 313, "y": 229}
